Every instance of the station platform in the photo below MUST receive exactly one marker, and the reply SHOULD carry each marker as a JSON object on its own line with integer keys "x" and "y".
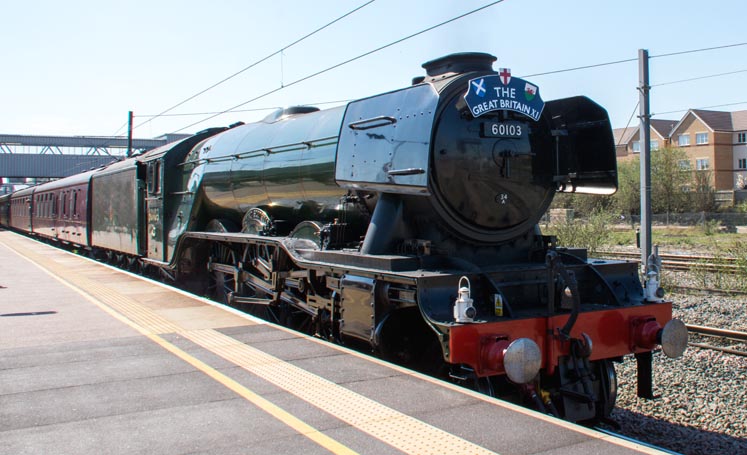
{"x": 96, "y": 360}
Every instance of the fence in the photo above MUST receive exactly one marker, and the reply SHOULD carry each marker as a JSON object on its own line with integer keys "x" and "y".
{"x": 694, "y": 219}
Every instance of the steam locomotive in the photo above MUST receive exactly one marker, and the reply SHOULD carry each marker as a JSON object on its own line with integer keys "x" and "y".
{"x": 406, "y": 223}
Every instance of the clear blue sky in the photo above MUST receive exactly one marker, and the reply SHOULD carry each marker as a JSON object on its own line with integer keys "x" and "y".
{"x": 76, "y": 67}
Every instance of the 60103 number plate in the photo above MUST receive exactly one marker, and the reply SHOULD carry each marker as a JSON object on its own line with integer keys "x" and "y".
{"x": 495, "y": 129}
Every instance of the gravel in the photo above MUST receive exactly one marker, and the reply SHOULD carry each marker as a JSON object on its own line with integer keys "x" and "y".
{"x": 702, "y": 397}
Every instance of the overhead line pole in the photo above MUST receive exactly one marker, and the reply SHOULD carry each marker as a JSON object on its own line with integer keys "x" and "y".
{"x": 644, "y": 360}
{"x": 129, "y": 134}
{"x": 645, "y": 142}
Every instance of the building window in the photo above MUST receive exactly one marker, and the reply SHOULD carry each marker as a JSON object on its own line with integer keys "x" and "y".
{"x": 684, "y": 165}
{"x": 683, "y": 140}
{"x": 742, "y": 138}
{"x": 653, "y": 145}
{"x": 701, "y": 138}
{"x": 701, "y": 164}
{"x": 742, "y": 163}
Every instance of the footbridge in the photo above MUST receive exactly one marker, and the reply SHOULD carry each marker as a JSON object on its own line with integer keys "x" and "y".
{"x": 25, "y": 157}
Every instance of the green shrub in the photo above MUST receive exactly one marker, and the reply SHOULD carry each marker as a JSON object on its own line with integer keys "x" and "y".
{"x": 591, "y": 233}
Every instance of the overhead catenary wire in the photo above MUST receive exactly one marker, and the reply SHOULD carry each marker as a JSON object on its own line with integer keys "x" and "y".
{"x": 120, "y": 128}
{"x": 635, "y": 109}
{"x": 615, "y": 62}
{"x": 345, "y": 62}
{"x": 585, "y": 67}
{"x": 701, "y": 108}
{"x": 709, "y": 76}
{"x": 692, "y": 51}
{"x": 704, "y": 49}
{"x": 102, "y": 144}
{"x": 258, "y": 109}
{"x": 699, "y": 78}
{"x": 671, "y": 54}
{"x": 628, "y": 60}
{"x": 252, "y": 65}
{"x": 580, "y": 68}
{"x": 577, "y": 68}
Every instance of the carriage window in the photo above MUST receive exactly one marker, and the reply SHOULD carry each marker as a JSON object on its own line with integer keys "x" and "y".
{"x": 74, "y": 204}
{"x": 154, "y": 177}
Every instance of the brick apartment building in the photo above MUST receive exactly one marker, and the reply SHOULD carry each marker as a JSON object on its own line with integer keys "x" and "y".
{"x": 712, "y": 140}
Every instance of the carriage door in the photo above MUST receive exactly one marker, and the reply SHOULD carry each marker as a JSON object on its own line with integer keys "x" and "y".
{"x": 154, "y": 210}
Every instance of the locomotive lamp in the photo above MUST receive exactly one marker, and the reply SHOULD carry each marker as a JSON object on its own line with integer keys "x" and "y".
{"x": 464, "y": 312}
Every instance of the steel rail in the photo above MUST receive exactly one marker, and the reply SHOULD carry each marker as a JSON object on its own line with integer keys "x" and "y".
{"x": 714, "y": 332}
{"x": 682, "y": 262}
{"x": 711, "y": 347}
{"x": 718, "y": 333}
{"x": 706, "y": 290}
{"x": 673, "y": 257}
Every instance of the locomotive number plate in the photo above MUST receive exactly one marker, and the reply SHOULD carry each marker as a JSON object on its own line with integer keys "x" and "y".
{"x": 495, "y": 129}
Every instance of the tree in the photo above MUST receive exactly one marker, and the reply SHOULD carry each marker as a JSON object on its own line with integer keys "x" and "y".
{"x": 582, "y": 204}
{"x": 671, "y": 185}
{"x": 627, "y": 199}
{"x": 703, "y": 196}
{"x": 669, "y": 181}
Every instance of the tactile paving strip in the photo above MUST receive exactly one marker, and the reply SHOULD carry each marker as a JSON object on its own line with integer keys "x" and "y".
{"x": 386, "y": 424}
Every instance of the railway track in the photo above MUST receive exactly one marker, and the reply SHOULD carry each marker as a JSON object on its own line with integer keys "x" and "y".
{"x": 705, "y": 290}
{"x": 722, "y": 334}
{"x": 683, "y": 262}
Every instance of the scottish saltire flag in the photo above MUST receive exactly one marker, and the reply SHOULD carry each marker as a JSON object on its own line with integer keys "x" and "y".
{"x": 479, "y": 87}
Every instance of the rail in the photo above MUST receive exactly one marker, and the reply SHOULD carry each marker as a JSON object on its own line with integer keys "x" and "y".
{"x": 683, "y": 262}
{"x": 718, "y": 333}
